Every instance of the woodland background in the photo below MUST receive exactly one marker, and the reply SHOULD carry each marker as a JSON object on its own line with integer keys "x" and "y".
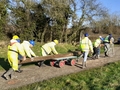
{"x": 46, "y": 20}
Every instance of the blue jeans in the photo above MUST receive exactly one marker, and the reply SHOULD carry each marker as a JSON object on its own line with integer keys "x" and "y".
{"x": 96, "y": 51}
{"x": 85, "y": 55}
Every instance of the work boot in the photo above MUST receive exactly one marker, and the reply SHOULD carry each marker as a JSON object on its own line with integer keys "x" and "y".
{"x": 12, "y": 75}
{"x": 8, "y": 73}
{"x": 93, "y": 57}
{"x": 98, "y": 56}
{"x": 106, "y": 54}
{"x": 84, "y": 65}
{"x": 19, "y": 71}
{"x": 6, "y": 76}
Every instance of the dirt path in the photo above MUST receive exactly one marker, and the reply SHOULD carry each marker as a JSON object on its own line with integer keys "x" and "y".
{"x": 34, "y": 73}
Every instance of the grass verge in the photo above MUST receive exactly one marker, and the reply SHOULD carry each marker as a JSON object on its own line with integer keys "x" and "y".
{"x": 102, "y": 78}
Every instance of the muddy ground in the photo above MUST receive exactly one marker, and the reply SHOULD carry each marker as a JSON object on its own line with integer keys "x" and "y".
{"x": 34, "y": 73}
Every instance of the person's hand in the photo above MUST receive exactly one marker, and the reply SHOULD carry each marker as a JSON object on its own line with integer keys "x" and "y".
{"x": 32, "y": 58}
{"x": 24, "y": 58}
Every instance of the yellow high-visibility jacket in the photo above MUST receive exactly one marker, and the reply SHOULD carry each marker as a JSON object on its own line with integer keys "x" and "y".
{"x": 48, "y": 48}
{"x": 13, "y": 51}
{"x": 28, "y": 51}
{"x": 86, "y": 44}
{"x": 97, "y": 43}
{"x": 106, "y": 39}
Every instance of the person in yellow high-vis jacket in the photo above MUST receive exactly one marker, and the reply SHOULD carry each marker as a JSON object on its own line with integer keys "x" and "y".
{"x": 86, "y": 46}
{"x": 27, "y": 45}
{"x": 49, "y": 48}
{"x": 14, "y": 49}
{"x": 108, "y": 41}
{"x": 15, "y": 37}
{"x": 96, "y": 47}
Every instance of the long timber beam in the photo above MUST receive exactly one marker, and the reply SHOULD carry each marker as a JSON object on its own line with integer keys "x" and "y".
{"x": 49, "y": 57}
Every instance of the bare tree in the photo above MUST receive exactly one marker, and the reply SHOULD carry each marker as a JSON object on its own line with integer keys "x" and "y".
{"x": 88, "y": 10}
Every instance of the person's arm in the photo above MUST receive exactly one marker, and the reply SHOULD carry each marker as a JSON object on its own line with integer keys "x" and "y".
{"x": 90, "y": 46}
{"x": 21, "y": 51}
{"x": 32, "y": 53}
{"x": 27, "y": 51}
{"x": 54, "y": 50}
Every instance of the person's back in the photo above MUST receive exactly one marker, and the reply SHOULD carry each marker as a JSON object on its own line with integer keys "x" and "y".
{"x": 28, "y": 51}
{"x": 107, "y": 41}
{"x": 108, "y": 38}
{"x": 86, "y": 46}
{"x": 13, "y": 50}
{"x": 97, "y": 43}
{"x": 49, "y": 47}
{"x": 96, "y": 48}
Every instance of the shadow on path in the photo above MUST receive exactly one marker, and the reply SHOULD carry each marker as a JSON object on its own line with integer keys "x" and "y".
{"x": 4, "y": 63}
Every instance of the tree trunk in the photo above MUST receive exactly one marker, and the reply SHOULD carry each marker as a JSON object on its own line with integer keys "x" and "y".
{"x": 43, "y": 34}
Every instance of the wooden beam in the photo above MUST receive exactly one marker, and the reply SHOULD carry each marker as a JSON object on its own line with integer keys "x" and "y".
{"x": 49, "y": 57}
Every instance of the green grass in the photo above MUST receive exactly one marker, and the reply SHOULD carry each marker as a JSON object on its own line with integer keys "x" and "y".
{"x": 102, "y": 78}
{"x": 3, "y": 58}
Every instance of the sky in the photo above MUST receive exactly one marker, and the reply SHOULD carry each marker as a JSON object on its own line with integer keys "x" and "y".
{"x": 112, "y": 5}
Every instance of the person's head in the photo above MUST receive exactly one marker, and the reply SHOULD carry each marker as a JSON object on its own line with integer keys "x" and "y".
{"x": 15, "y": 37}
{"x": 32, "y": 42}
{"x": 110, "y": 35}
{"x": 56, "y": 41}
{"x": 12, "y": 41}
{"x": 86, "y": 34}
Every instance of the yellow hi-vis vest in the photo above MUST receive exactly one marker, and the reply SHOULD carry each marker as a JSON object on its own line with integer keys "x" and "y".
{"x": 106, "y": 39}
{"x": 86, "y": 45}
{"x": 97, "y": 43}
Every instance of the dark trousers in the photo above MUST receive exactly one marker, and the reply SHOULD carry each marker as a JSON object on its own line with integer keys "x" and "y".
{"x": 96, "y": 51}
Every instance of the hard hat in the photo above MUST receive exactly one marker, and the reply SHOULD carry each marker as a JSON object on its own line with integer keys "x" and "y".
{"x": 15, "y": 37}
{"x": 56, "y": 41}
{"x": 18, "y": 40}
{"x": 86, "y": 34}
{"x": 32, "y": 42}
